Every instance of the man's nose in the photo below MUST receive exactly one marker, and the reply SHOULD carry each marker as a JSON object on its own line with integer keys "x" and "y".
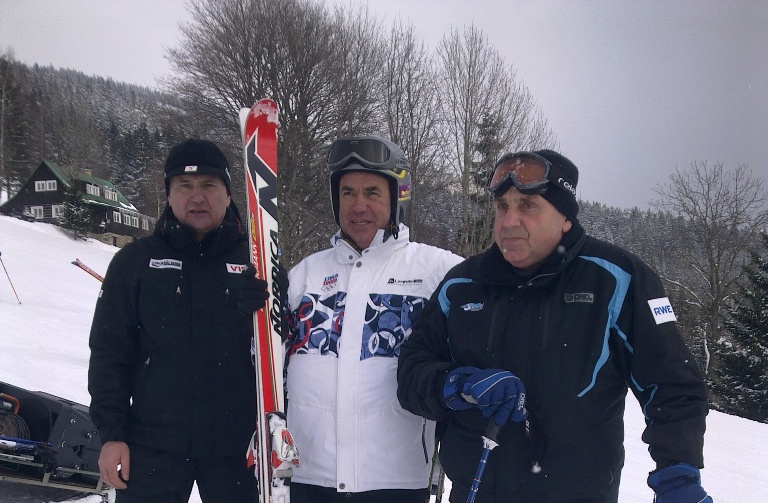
{"x": 511, "y": 218}
{"x": 197, "y": 193}
{"x": 359, "y": 203}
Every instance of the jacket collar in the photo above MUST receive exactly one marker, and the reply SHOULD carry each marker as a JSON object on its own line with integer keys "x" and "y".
{"x": 493, "y": 269}
{"x": 218, "y": 241}
{"x": 383, "y": 243}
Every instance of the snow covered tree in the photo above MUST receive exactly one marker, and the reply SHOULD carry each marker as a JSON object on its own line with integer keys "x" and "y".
{"x": 724, "y": 209}
{"x": 742, "y": 384}
{"x": 480, "y": 93}
{"x": 76, "y": 215}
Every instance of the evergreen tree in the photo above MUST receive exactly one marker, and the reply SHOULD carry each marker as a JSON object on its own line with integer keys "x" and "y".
{"x": 76, "y": 215}
{"x": 742, "y": 377}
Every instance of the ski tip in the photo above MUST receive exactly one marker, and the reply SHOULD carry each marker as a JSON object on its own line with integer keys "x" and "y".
{"x": 267, "y": 109}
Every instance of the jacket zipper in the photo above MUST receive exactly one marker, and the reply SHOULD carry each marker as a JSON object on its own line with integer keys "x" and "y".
{"x": 545, "y": 322}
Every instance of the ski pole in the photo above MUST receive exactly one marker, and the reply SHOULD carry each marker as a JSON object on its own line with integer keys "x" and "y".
{"x": 489, "y": 443}
{"x": 9, "y": 278}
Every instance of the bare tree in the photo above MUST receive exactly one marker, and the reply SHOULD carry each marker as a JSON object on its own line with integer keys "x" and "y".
{"x": 411, "y": 103}
{"x": 726, "y": 210}
{"x": 323, "y": 70}
{"x": 477, "y": 87}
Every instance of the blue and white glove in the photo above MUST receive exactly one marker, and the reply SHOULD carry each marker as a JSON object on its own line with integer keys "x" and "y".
{"x": 679, "y": 483}
{"x": 493, "y": 391}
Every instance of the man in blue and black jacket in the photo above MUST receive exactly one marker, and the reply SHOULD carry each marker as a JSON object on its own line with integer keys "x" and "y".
{"x": 544, "y": 333}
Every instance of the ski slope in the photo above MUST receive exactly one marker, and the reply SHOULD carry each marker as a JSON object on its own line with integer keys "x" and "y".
{"x": 44, "y": 347}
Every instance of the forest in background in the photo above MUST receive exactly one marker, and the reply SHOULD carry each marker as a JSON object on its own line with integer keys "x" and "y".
{"x": 701, "y": 237}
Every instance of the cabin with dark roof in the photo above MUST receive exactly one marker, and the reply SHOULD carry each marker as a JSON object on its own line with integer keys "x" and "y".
{"x": 114, "y": 219}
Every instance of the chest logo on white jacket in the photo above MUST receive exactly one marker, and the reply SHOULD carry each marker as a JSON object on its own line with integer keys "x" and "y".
{"x": 405, "y": 282}
{"x": 330, "y": 282}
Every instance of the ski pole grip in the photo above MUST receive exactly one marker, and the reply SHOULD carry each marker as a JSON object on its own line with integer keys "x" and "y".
{"x": 492, "y": 430}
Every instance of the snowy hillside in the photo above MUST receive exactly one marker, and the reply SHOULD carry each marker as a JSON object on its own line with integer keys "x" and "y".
{"x": 44, "y": 346}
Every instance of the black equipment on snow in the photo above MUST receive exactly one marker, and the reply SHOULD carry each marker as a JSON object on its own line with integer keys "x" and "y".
{"x": 48, "y": 441}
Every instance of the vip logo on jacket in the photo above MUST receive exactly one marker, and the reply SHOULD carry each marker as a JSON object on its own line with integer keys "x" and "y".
{"x": 235, "y": 268}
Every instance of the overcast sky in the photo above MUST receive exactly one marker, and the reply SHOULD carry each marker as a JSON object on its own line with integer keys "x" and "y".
{"x": 632, "y": 89}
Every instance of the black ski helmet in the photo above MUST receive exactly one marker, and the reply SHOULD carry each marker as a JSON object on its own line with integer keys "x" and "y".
{"x": 372, "y": 154}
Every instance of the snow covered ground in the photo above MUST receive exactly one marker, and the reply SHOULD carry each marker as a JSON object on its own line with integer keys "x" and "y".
{"x": 44, "y": 347}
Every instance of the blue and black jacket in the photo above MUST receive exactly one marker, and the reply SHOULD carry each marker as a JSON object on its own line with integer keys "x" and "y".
{"x": 590, "y": 323}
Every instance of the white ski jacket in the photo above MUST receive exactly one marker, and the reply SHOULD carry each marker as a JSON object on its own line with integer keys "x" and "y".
{"x": 350, "y": 314}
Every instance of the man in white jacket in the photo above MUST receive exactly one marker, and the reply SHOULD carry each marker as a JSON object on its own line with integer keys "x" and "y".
{"x": 352, "y": 306}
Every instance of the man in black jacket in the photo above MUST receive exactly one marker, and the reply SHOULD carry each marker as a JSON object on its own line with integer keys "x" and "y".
{"x": 171, "y": 381}
{"x": 544, "y": 333}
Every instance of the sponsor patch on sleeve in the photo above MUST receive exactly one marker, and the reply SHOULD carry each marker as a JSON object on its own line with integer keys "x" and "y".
{"x": 662, "y": 310}
{"x": 236, "y": 268}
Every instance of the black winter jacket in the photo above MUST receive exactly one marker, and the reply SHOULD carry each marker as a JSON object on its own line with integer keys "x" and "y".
{"x": 578, "y": 332}
{"x": 170, "y": 364}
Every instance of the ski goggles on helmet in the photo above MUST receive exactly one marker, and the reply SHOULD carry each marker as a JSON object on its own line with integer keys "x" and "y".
{"x": 371, "y": 152}
{"x": 528, "y": 172}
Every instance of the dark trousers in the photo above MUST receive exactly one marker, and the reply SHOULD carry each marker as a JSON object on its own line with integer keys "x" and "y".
{"x": 303, "y": 493}
{"x": 167, "y": 477}
{"x": 459, "y": 494}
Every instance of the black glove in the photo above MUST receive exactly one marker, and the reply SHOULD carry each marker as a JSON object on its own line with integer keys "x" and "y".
{"x": 253, "y": 292}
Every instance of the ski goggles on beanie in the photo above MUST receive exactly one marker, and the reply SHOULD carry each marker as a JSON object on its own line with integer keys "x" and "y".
{"x": 371, "y": 152}
{"x": 527, "y": 171}
{"x": 530, "y": 173}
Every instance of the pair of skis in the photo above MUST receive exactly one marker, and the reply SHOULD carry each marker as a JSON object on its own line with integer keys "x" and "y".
{"x": 272, "y": 452}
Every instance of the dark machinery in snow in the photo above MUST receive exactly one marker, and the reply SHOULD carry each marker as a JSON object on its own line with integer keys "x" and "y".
{"x": 48, "y": 441}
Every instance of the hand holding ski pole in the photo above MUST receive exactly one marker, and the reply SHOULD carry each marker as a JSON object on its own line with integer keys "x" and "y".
{"x": 497, "y": 393}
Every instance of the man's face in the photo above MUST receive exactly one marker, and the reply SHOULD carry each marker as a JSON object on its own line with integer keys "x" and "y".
{"x": 527, "y": 229}
{"x": 199, "y": 202}
{"x": 364, "y": 206}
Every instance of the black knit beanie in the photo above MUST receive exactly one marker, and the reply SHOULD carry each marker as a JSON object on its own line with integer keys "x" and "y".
{"x": 563, "y": 177}
{"x": 197, "y": 157}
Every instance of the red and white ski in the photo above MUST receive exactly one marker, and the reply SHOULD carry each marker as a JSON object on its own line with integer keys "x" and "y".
{"x": 87, "y": 269}
{"x": 272, "y": 451}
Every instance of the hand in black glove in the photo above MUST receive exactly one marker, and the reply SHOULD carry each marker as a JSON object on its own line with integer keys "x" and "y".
{"x": 494, "y": 391}
{"x": 253, "y": 292}
{"x": 679, "y": 483}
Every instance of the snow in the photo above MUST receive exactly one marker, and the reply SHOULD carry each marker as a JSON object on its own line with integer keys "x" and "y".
{"x": 44, "y": 346}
